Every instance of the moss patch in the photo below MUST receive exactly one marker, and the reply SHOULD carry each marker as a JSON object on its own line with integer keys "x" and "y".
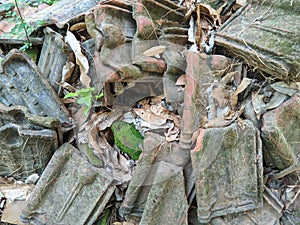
{"x": 127, "y": 138}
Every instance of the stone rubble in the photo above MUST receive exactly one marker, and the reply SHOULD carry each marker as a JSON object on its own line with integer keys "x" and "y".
{"x": 215, "y": 148}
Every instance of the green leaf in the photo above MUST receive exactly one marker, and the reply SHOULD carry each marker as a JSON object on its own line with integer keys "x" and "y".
{"x": 99, "y": 96}
{"x": 10, "y": 19}
{"x": 71, "y": 94}
{"x": 86, "y": 110}
{"x": 7, "y": 6}
{"x": 85, "y": 91}
{"x": 41, "y": 23}
{"x": 87, "y": 100}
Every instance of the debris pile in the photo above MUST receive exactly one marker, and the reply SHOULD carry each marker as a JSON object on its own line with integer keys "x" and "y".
{"x": 151, "y": 112}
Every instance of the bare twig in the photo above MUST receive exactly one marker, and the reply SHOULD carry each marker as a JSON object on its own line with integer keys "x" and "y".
{"x": 292, "y": 169}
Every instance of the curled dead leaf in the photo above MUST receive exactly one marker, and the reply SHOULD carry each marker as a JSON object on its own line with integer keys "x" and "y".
{"x": 181, "y": 80}
{"x": 81, "y": 60}
{"x": 67, "y": 71}
{"x": 221, "y": 95}
{"x": 159, "y": 110}
{"x": 223, "y": 121}
{"x": 229, "y": 77}
{"x": 172, "y": 134}
{"x": 150, "y": 117}
{"x": 243, "y": 85}
{"x": 78, "y": 26}
{"x": 210, "y": 12}
{"x": 156, "y": 50}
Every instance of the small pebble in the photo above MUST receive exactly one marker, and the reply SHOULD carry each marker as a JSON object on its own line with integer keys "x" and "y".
{"x": 32, "y": 179}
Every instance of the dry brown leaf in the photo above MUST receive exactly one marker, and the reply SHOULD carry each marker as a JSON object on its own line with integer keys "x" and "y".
{"x": 210, "y": 12}
{"x": 150, "y": 117}
{"x": 103, "y": 120}
{"x": 172, "y": 134}
{"x": 259, "y": 106}
{"x": 199, "y": 30}
{"x": 221, "y": 95}
{"x": 243, "y": 85}
{"x": 81, "y": 60}
{"x": 286, "y": 89}
{"x": 80, "y": 118}
{"x": 241, "y": 123}
{"x": 156, "y": 100}
{"x": 67, "y": 100}
{"x": 156, "y": 50}
{"x": 123, "y": 223}
{"x": 190, "y": 9}
{"x": 68, "y": 87}
{"x": 67, "y": 71}
{"x": 106, "y": 152}
{"x": 223, "y": 121}
{"x": 181, "y": 80}
{"x": 93, "y": 139}
{"x": 229, "y": 115}
{"x": 205, "y": 25}
{"x": 152, "y": 111}
{"x": 241, "y": 2}
{"x": 78, "y": 26}
{"x": 164, "y": 113}
{"x": 229, "y": 77}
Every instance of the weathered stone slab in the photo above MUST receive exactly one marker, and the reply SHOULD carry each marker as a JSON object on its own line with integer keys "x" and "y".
{"x": 228, "y": 168}
{"x": 53, "y": 57}
{"x": 275, "y": 47}
{"x": 78, "y": 191}
{"x": 136, "y": 90}
{"x": 65, "y": 11}
{"x": 268, "y": 214}
{"x": 23, "y": 152}
{"x": 176, "y": 65}
{"x": 156, "y": 192}
{"x": 281, "y": 134}
{"x": 22, "y": 84}
{"x": 27, "y": 141}
{"x": 112, "y": 27}
{"x": 142, "y": 178}
{"x": 148, "y": 14}
{"x": 199, "y": 72}
{"x": 167, "y": 202}
{"x": 15, "y": 196}
{"x": 17, "y": 115}
{"x": 118, "y": 15}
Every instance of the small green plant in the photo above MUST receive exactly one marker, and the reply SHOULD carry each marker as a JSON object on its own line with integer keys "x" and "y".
{"x": 20, "y": 23}
{"x": 85, "y": 97}
{"x": 22, "y": 28}
{"x": 49, "y": 2}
